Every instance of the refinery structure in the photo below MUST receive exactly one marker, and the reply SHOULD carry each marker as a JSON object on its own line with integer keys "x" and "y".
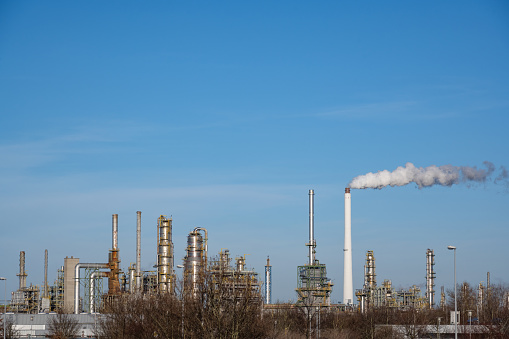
{"x": 79, "y": 289}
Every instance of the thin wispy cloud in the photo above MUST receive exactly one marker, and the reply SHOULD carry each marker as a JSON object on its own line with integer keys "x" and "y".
{"x": 398, "y": 110}
{"x": 45, "y": 148}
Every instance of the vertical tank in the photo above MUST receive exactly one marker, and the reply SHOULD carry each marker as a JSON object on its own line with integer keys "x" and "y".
{"x": 164, "y": 255}
{"x": 194, "y": 261}
{"x": 369, "y": 271}
{"x": 430, "y": 278}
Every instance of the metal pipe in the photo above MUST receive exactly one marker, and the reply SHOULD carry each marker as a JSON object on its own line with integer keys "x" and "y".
{"x": 77, "y": 281}
{"x": 138, "y": 252}
{"x": 114, "y": 238}
{"x": 455, "y": 295}
{"x": 92, "y": 289}
{"x": 347, "y": 250}
{"x": 311, "y": 244}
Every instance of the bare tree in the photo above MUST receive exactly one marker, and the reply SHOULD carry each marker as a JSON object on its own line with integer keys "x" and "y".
{"x": 224, "y": 306}
{"x": 142, "y": 316}
{"x": 10, "y": 331}
{"x": 63, "y": 326}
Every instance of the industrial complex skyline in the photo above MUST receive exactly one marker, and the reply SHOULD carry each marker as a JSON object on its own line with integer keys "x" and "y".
{"x": 225, "y": 115}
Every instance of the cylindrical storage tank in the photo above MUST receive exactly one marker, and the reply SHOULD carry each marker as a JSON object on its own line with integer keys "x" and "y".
{"x": 193, "y": 265}
{"x": 164, "y": 256}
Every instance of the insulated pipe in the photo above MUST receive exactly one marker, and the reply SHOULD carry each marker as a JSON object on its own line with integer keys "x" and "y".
{"x": 347, "y": 250}
{"x": 311, "y": 228}
{"x": 138, "y": 252}
{"x": 77, "y": 281}
{"x": 114, "y": 238}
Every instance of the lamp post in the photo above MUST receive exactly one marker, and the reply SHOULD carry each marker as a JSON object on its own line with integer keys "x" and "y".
{"x": 5, "y": 300}
{"x": 470, "y": 323}
{"x": 455, "y": 299}
{"x": 182, "y": 303}
{"x": 438, "y": 327}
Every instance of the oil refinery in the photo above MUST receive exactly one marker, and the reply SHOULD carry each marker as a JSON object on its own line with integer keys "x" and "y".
{"x": 78, "y": 288}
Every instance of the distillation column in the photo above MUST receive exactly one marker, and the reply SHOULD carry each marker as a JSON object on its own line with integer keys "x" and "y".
{"x": 430, "y": 278}
{"x": 347, "y": 250}
{"x": 268, "y": 282}
{"x": 194, "y": 262}
{"x": 369, "y": 271}
{"x": 164, "y": 255}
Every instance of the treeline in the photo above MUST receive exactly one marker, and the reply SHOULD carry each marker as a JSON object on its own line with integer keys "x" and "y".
{"x": 222, "y": 310}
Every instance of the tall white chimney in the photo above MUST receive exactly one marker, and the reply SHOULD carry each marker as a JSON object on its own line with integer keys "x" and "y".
{"x": 347, "y": 250}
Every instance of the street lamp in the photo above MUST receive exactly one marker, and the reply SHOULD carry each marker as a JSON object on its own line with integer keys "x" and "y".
{"x": 182, "y": 303}
{"x": 455, "y": 299}
{"x": 5, "y": 300}
{"x": 470, "y": 323}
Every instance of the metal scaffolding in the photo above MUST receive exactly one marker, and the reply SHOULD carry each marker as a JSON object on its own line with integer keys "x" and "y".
{"x": 313, "y": 286}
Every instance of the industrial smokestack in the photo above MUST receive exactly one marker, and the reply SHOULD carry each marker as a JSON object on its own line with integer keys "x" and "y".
{"x": 446, "y": 175}
{"x": 22, "y": 273}
{"x": 138, "y": 252}
{"x": 312, "y": 243}
{"x": 347, "y": 251}
{"x": 45, "y": 295}
{"x": 268, "y": 282}
{"x": 114, "y": 232}
{"x": 114, "y": 261}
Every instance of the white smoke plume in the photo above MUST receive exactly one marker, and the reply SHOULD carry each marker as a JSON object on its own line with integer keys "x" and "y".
{"x": 446, "y": 175}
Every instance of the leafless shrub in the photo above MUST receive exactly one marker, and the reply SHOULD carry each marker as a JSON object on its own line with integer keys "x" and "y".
{"x": 63, "y": 326}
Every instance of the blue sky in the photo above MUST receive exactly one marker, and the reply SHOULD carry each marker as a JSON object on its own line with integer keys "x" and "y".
{"x": 223, "y": 115}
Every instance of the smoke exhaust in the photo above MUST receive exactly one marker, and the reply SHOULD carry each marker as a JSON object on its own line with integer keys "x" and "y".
{"x": 446, "y": 175}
